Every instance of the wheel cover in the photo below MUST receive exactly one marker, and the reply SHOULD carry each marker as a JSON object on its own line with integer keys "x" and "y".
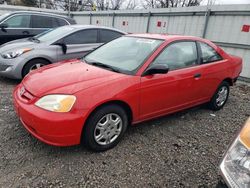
{"x": 108, "y": 129}
{"x": 222, "y": 96}
{"x": 36, "y": 66}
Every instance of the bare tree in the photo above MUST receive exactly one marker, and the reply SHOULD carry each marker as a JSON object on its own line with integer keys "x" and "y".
{"x": 109, "y": 4}
{"x": 131, "y": 4}
{"x": 170, "y": 3}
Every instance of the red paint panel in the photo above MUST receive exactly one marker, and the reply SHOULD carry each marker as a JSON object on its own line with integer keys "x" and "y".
{"x": 245, "y": 28}
{"x": 159, "y": 24}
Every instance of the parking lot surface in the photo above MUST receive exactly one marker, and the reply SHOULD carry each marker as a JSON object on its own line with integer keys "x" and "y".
{"x": 179, "y": 150}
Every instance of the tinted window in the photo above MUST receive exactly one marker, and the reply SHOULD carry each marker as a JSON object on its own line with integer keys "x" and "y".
{"x": 19, "y": 21}
{"x": 82, "y": 37}
{"x": 178, "y": 55}
{"x": 208, "y": 53}
{"x": 57, "y": 22}
{"x": 42, "y": 21}
{"x": 108, "y": 35}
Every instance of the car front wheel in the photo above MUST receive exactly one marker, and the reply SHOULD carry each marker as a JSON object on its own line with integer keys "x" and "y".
{"x": 33, "y": 65}
{"x": 220, "y": 97}
{"x": 105, "y": 128}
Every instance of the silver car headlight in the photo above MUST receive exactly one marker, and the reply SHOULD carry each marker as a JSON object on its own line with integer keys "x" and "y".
{"x": 56, "y": 103}
{"x": 16, "y": 53}
{"x": 235, "y": 166}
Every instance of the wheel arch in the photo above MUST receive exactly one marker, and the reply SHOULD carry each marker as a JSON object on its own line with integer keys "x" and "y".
{"x": 120, "y": 103}
{"x": 35, "y": 58}
{"x": 228, "y": 80}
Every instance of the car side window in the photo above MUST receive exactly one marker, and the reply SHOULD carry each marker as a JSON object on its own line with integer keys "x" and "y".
{"x": 108, "y": 35}
{"x": 208, "y": 54}
{"x": 18, "y": 21}
{"x": 57, "y": 22}
{"x": 82, "y": 37}
{"x": 178, "y": 55}
{"x": 41, "y": 21}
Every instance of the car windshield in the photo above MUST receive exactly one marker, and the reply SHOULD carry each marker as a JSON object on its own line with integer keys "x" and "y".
{"x": 53, "y": 34}
{"x": 126, "y": 54}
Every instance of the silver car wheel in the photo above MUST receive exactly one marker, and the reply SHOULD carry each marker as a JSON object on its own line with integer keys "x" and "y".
{"x": 36, "y": 66}
{"x": 108, "y": 129}
{"x": 222, "y": 96}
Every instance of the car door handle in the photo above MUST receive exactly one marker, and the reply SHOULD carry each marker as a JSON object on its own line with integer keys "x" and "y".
{"x": 26, "y": 32}
{"x": 198, "y": 75}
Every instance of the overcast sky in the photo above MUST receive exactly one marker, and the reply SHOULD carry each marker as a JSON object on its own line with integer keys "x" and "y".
{"x": 232, "y": 1}
{"x": 204, "y": 2}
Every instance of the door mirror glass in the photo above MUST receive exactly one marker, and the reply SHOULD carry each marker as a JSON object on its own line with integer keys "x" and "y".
{"x": 63, "y": 46}
{"x": 156, "y": 69}
{"x": 3, "y": 25}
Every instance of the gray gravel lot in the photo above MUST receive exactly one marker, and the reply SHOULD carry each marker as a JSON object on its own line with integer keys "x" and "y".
{"x": 180, "y": 150}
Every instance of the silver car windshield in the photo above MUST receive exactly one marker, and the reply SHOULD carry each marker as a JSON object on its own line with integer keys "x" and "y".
{"x": 53, "y": 34}
{"x": 126, "y": 54}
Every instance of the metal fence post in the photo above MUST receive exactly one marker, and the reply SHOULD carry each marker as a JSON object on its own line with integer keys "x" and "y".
{"x": 207, "y": 15}
{"x": 113, "y": 20}
{"x": 90, "y": 18}
{"x": 149, "y": 16}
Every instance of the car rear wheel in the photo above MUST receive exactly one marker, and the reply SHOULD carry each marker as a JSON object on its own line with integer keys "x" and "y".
{"x": 105, "y": 128}
{"x": 220, "y": 97}
{"x": 33, "y": 65}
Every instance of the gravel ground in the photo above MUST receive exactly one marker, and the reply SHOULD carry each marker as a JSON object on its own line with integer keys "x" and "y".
{"x": 180, "y": 150}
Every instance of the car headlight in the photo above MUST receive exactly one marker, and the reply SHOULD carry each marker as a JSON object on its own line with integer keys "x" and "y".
{"x": 235, "y": 165}
{"x": 56, "y": 103}
{"x": 14, "y": 54}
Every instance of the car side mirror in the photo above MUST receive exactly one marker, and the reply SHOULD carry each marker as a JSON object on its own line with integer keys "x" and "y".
{"x": 64, "y": 47}
{"x": 156, "y": 69}
{"x": 3, "y": 26}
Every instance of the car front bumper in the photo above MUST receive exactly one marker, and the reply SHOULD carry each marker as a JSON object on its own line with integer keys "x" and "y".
{"x": 12, "y": 68}
{"x": 58, "y": 129}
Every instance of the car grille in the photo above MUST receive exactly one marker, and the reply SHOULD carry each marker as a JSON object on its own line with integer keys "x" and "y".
{"x": 3, "y": 67}
{"x": 25, "y": 95}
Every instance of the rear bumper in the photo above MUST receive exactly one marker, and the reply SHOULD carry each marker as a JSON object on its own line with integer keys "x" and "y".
{"x": 58, "y": 129}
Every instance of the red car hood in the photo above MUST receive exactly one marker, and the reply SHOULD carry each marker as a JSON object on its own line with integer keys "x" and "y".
{"x": 67, "y": 78}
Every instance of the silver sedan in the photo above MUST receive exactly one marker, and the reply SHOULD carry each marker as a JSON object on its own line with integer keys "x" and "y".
{"x": 19, "y": 57}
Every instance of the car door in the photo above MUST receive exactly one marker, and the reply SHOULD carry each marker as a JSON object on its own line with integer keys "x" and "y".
{"x": 179, "y": 88}
{"x": 79, "y": 43}
{"x": 18, "y": 27}
{"x": 214, "y": 69}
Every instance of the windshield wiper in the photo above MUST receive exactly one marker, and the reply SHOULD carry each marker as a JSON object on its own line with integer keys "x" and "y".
{"x": 98, "y": 64}
{"x": 34, "y": 39}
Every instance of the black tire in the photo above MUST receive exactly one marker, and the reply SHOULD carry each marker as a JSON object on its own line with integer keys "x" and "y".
{"x": 32, "y": 63}
{"x": 89, "y": 131}
{"x": 213, "y": 104}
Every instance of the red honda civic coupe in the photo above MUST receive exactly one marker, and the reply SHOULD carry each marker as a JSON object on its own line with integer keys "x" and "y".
{"x": 126, "y": 81}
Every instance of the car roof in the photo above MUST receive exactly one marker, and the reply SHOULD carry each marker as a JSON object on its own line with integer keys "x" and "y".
{"x": 165, "y": 36}
{"x": 79, "y": 27}
{"x": 37, "y": 12}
